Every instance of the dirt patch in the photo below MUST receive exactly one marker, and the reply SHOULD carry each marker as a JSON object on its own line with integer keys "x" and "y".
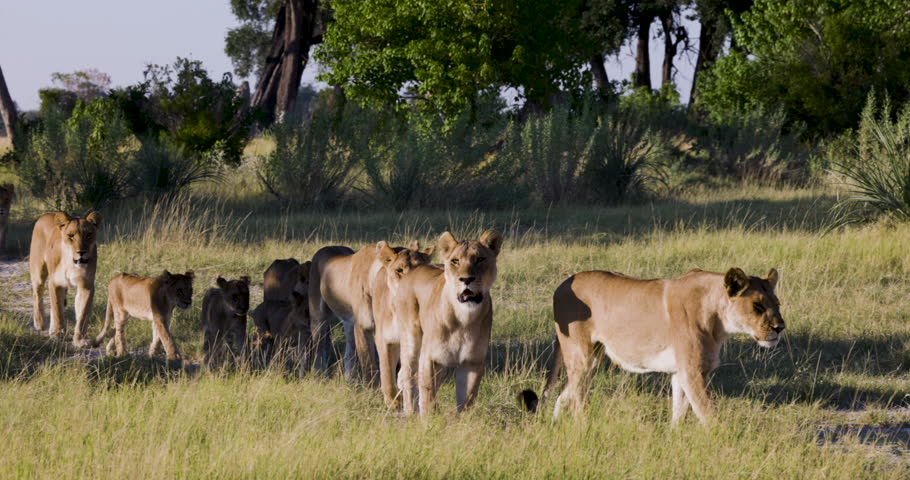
{"x": 881, "y": 433}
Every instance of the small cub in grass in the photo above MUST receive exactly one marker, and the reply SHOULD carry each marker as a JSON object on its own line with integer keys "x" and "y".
{"x": 224, "y": 312}
{"x": 285, "y": 288}
{"x": 151, "y": 299}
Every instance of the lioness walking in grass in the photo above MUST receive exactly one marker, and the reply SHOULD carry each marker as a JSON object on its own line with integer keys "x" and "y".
{"x": 446, "y": 316}
{"x": 674, "y": 325}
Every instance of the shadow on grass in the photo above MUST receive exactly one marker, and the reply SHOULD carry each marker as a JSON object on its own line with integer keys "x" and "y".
{"x": 843, "y": 374}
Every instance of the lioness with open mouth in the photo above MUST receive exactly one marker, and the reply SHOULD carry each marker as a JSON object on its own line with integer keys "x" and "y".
{"x": 672, "y": 325}
{"x": 446, "y": 315}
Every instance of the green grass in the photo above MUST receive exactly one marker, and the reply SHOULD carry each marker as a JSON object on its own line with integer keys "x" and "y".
{"x": 846, "y": 349}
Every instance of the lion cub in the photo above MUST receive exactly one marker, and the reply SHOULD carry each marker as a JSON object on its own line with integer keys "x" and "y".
{"x": 446, "y": 315}
{"x": 151, "y": 299}
{"x": 396, "y": 263}
{"x": 283, "y": 319}
{"x": 224, "y": 320}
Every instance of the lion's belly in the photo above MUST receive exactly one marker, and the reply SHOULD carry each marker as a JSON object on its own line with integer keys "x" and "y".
{"x": 635, "y": 358}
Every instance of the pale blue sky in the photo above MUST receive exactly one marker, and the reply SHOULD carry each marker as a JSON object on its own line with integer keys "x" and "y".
{"x": 119, "y": 37}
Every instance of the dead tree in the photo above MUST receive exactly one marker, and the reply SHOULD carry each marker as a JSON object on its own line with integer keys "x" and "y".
{"x": 7, "y": 110}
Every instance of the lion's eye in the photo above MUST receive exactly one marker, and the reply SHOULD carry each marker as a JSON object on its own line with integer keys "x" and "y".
{"x": 400, "y": 270}
{"x": 480, "y": 259}
{"x": 759, "y": 308}
{"x": 454, "y": 261}
{"x": 71, "y": 236}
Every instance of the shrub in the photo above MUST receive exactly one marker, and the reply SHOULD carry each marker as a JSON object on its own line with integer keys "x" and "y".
{"x": 164, "y": 168}
{"x": 316, "y": 154}
{"x": 79, "y": 162}
{"x": 875, "y": 167}
{"x": 430, "y": 161}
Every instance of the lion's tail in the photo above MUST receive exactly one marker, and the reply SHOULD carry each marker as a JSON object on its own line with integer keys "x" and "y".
{"x": 529, "y": 398}
{"x": 107, "y": 323}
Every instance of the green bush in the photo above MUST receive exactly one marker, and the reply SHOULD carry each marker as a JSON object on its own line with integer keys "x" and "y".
{"x": 162, "y": 168}
{"x": 875, "y": 166}
{"x": 316, "y": 155}
{"x": 78, "y": 162}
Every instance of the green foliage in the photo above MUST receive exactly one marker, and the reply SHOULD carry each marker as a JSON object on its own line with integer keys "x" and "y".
{"x": 203, "y": 116}
{"x": 436, "y": 162}
{"x": 85, "y": 85}
{"x": 78, "y": 162}
{"x": 163, "y": 168}
{"x": 876, "y": 166}
{"x": 449, "y": 53}
{"x": 248, "y": 43}
{"x": 815, "y": 58}
{"x": 621, "y": 151}
{"x": 316, "y": 154}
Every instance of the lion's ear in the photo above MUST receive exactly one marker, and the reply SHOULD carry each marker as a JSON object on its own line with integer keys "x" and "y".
{"x": 221, "y": 282}
{"x": 414, "y": 246}
{"x": 772, "y": 277}
{"x": 386, "y": 253}
{"x": 94, "y": 218}
{"x": 165, "y": 276}
{"x": 190, "y": 274}
{"x": 735, "y": 281}
{"x": 305, "y": 270}
{"x": 245, "y": 279}
{"x": 447, "y": 244}
{"x": 61, "y": 219}
{"x": 492, "y": 240}
{"x": 429, "y": 250}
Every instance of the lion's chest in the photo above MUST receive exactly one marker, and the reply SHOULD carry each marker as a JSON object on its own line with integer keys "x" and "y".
{"x": 457, "y": 343}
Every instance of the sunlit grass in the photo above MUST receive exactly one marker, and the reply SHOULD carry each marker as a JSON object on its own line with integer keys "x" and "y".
{"x": 847, "y": 347}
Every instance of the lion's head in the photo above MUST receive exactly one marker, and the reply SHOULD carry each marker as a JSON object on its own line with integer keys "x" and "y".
{"x": 754, "y": 308}
{"x": 398, "y": 261}
{"x": 470, "y": 266}
{"x": 236, "y": 294}
{"x": 7, "y": 192}
{"x": 79, "y": 237}
{"x": 178, "y": 288}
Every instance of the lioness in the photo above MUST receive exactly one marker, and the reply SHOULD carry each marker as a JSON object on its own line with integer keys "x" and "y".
{"x": 224, "y": 320}
{"x": 340, "y": 282}
{"x": 151, "y": 299}
{"x": 446, "y": 314}
{"x": 396, "y": 263}
{"x": 7, "y": 192}
{"x": 674, "y": 325}
{"x": 64, "y": 254}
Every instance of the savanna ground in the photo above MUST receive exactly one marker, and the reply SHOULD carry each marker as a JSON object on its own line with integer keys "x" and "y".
{"x": 829, "y": 402}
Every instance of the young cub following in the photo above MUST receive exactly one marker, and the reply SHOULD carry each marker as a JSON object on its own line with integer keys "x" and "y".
{"x": 151, "y": 299}
{"x": 224, "y": 312}
{"x": 674, "y": 325}
{"x": 64, "y": 254}
{"x": 286, "y": 282}
{"x": 396, "y": 262}
{"x": 446, "y": 315}
{"x": 7, "y": 193}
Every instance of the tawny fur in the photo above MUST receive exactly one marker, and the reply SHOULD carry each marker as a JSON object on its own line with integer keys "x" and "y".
{"x": 224, "y": 311}
{"x": 446, "y": 315}
{"x": 283, "y": 320}
{"x": 672, "y": 325}
{"x": 396, "y": 262}
{"x": 151, "y": 299}
{"x": 63, "y": 255}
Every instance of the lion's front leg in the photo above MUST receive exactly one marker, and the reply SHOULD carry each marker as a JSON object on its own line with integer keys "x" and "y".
{"x": 58, "y": 299}
{"x": 467, "y": 384}
{"x": 160, "y": 325}
{"x": 84, "y": 300}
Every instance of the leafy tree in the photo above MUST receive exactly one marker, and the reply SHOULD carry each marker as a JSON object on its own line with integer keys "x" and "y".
{"x": 69, "y": 88}
{"x": 248, "y": 44}
{"x": 202, "y": 115}
{"x": 816, "y": 58}
{"x": 449, "y": 53}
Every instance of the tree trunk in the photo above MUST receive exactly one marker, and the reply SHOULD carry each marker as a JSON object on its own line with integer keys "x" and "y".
{"x": 7, "y": 110}
{"x": 666, "y": 22}
{"x": 708, "y": 49}
{"x": 279, "y": 82}
{"x": 642, "y": 76}
{"x": 601, "y": 81}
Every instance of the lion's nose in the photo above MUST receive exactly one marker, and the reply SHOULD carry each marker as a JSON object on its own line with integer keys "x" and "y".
{"x": 778, "y": 328}
{"x": 467, "y": 280}
{"x": 82, "y": 252}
